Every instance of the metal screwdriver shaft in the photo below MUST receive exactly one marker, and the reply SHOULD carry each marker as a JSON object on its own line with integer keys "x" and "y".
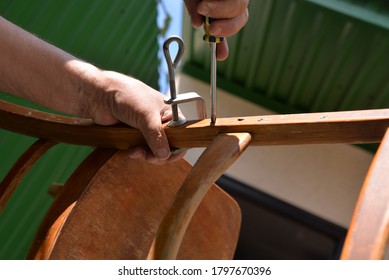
{"x": 213, "y": 82}
{"x": 212, "y": 40}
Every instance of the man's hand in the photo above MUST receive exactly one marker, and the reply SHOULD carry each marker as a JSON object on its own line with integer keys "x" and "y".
{"x": 231, "y": 16}
{"x": 130, "y": 101}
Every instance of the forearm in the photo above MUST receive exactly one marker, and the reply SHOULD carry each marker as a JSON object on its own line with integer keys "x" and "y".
{"x": 35, "y": 70}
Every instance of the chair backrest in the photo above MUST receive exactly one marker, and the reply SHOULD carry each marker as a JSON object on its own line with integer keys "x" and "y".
{"x": 117, "y": 213}
{"x": 108, "y": 188}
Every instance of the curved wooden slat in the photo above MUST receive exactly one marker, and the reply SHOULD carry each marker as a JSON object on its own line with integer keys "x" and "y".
{"x": 368, "y": 234}
{"x": 214, "y": 161}
{"x": 22, "y": 166}
{"x": 64, "y": 129}
{"x": 351, "y": 127}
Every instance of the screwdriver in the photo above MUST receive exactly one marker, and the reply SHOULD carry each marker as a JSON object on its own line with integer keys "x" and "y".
{"x": 212, "y": 40}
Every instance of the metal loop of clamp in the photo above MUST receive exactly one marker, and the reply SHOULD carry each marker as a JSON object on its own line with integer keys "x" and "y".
{"x": 174, "y": 100}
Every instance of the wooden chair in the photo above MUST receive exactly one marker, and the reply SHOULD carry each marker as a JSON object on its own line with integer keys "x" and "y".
{"x": 113, "y": 207}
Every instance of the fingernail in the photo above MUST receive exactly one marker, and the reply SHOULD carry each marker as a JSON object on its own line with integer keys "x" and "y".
{"x": 196, "y": 25}
{"x": 203, "y": 10}
{"x": 163, "y": 153}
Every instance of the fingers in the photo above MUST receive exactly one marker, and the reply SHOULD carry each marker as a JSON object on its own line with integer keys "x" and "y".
{"x": 228, "y": 27}
{"x": 138, "y": 105}
{"x": 196, "y": 18}
{"x": 222, "y": 50}
{"x": 232, "y": 15}
{"x": 133, "y": 102}
{"x": 158, "y": 149}
{"x": 156, "y": 139}
{"x": 219, "y": 9}
{"x": 144, "y": 153}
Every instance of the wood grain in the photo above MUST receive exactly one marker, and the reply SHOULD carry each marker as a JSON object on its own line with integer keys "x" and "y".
{"x": 118, "y": 214}
{"x": 63, "y": 204}
{"x": 368, "y": 234}
{"x": 351, "y": 127}
{"x": 103, "y": 204}
{"x": 214, "y": 161}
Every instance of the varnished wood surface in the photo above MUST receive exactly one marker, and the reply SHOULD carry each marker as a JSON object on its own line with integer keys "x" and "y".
{"x": 63, "y": 204}
{"x": 117, "y": 215}
{"x": 368, "y": 234}
{"x": 215, "y": 160}
{"x": 351, "y": 127}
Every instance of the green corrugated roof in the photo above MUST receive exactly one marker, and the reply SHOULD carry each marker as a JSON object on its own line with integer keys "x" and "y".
{"x": 304, "y": 55}
{"x": 118, "y": 35}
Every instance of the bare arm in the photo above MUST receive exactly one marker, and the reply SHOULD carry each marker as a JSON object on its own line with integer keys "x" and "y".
{"x": 35, "y": 70}
{"x": 40, "y": 72}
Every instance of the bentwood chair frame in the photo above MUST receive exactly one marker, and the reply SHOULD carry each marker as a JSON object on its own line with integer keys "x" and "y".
{"x": 185, "y": 222}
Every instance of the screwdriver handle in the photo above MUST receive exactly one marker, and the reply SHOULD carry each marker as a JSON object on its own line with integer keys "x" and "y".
{"x": 207, "y": 36}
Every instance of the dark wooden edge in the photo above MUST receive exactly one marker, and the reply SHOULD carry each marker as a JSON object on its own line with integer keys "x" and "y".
{"x": 22, "y": 166}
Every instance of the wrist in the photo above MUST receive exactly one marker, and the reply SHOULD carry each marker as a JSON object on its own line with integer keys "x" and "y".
{"x": 88, "y": 87}
{"x": 100, "y": 94}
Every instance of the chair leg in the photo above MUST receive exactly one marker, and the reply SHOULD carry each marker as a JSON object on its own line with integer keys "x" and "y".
{"x": 214, "y": 161}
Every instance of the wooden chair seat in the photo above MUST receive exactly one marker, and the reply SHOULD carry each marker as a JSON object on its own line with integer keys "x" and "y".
{"x": 117, "y": 214}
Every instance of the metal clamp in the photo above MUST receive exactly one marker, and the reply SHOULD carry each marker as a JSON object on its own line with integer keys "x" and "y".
{"x": 174, "y": 100}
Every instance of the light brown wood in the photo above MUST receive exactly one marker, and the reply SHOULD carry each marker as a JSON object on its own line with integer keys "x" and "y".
{"x": 118, "y": 214}
{"x": 368, "y": 234}
{"x": 13, "y": 178}
{"x": 108, "y": 186}
{"x": 57, "y": 214}
{"x": 351, "y": 127}
{"x": 214, "y": 161}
